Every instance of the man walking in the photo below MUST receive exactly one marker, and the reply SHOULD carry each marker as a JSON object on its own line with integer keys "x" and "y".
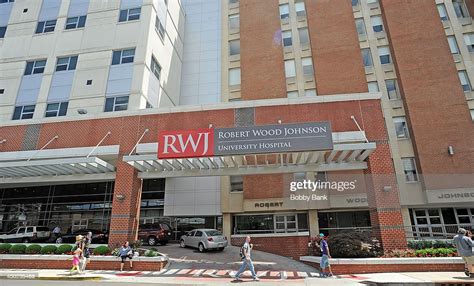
{"x": 246, "y": 260}
{"x": 324, "y": 264}
{"x": 464, "y": 246}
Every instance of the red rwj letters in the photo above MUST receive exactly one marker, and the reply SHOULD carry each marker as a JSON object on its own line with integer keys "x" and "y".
{"x": 186, "y": 143}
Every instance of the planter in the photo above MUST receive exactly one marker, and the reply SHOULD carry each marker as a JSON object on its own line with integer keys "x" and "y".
{"x": 38, "y": 261}
{"x": 387, "y": 265}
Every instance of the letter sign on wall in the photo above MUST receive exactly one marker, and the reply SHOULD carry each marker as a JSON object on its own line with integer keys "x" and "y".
{"x": 245, "y": 140}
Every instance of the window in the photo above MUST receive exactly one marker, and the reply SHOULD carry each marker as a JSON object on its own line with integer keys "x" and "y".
{"x": 234, "y": 22}
{"x": 392, "y": 89}
{"x": 401, "y": 127}
{"x": 155, "y": 68}
{"x": 66, "y": 63}
{"x": 310, "y": 92}
{"x": 472, "y": 114}
{"x": 23, "y": 112}
{"x": 469, "y": 40}
{"x": 372, "y": 1}
{"x": 307, "y": 66}
{"x": 299, "y": 177}
{"x": 3, "y": 30}
{"x": 236, "y": 184}
{"x": 377, "y": 24}
{"x": 320, "y": 177}
{"x": 384, "y": 54}
{"x": 234, "y": 77}
{"x": 460, "y": 9}
{"x": 284, "y": 11}
{"x": 290, "y": 70}
{"x": 304, "y": 36}
{"x": 465, "y": 83}
{"x": 300, "y": 9}
{"x": 233, "y": 1}
{"x": 286, "y": 38}
{"x": 373, "y": 86}
{"x": 6, "y": 1}
{"x": 56, "y": 109}
{"x": 285, "y": 223}
{"x": 123, "y": 56}
{"x": 367, "y": 58}
{"x": 35, "y": 67}
{"x": 442, "y": 12}
{"x": 409, "y": 167}
{"x": 45, "y": 26}
{"x": 355, "y": 3}
{"x": 75, "y": 22}
{"x": 160, "y": 28}
{"x": 130, "y": 14}
{"x": 336, "y": 222}
{"x": 360, "y": 26}
{"x": 292, "y": 94}
{"x": 234, "y": 47}
{"x": 453, "y": 45}
{"x": 116, "y": 103}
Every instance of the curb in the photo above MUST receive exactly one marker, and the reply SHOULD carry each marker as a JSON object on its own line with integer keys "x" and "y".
{"x": 72, "y": 278}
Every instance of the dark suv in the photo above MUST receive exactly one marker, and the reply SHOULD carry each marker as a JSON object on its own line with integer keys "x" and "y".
{"x": 153, "y": 233}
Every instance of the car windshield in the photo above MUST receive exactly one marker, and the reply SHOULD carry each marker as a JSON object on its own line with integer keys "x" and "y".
{"x": 213, "y": 233}
{"x": 165, "y": 226}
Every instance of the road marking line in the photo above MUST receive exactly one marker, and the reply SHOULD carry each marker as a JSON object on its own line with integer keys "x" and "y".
{"x": 199, "y": 272}
{"x": 290, "y": 274}
{"x": 222, "y": 272}
{"x": 209, "y": 272}
{"x": 283, "y": 275}
{"x": 171, "y": 271}
{"x": 301, "y": 274}
{"x": 262, "y": 273}
{"x": 183, "y": 271}
{"x": 313, "y": 274}
{"x": 274, "y": 273}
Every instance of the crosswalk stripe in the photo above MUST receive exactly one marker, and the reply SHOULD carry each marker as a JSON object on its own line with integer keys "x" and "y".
{"x": 261, "y": 273}
{"x": 283, "y": 275}
{"x": 274, "y": 273}
{"x": 209, "y": 272}
{"x": 313, "y": 274}
{"x": 222, "y": 272}
{"x": 199, "y": 272}
{"x": 302, "y": 274}
{"x": 171, "y": 271}
{"x": 290, "y": 274}
{"x": 183, "y": 271}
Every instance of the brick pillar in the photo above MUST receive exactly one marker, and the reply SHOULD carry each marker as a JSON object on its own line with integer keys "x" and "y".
{"x": 126, "y": 210}
{"x": 385, "y": 210}
{"x": 470, "y": 7}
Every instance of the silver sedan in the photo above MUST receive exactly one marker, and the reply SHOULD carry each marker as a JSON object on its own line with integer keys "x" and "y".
{"x": 204, "y": 239}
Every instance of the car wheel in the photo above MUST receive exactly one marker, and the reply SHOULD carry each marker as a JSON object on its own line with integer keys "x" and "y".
{"x": 221, "y": 249}
{"x": 163, "y": 242}
{"x": 59, "y": 240}
{"x": 201, "y": 247}
{"x": 152, "y": 241}
{"x": 182, "y": 244}
{"x": 25, "y": 240}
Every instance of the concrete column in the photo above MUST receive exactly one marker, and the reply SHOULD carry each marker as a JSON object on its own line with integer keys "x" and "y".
{"x": 227, "y": 225}
{"x": 313, "y": 223}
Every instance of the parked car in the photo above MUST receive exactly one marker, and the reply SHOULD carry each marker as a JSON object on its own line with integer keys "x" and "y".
{"x": 98, "y": 237}
{"x": 27, "y": 234}
{"x": 153, "y": 233}
{"x": 204, "y": 239}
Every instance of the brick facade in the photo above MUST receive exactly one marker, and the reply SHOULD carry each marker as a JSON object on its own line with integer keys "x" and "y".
{"x": 289, "y": 246}
{"x": 431, "y": 91}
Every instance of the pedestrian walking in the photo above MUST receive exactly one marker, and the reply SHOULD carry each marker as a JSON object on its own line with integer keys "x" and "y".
{"x": 57, "y": 231}
{"x": 464, "y": 244}
{"x": 246, "y": 258}
{"x": 76, "y": 259}
{"x": 86, "y": 243}
{"x": 124, "y": 253}
{"x": 324, "y": 264}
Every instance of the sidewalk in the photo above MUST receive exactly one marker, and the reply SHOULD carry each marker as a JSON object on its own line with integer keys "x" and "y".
{"x": 411, "y": 278}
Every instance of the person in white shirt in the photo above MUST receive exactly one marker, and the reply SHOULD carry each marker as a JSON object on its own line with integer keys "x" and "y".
{"x": 57, "y": 231}
{"x": 246, "y": 258}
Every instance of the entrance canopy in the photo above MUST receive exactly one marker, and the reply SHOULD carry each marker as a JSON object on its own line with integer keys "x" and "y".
{"x": 348, "y": 153}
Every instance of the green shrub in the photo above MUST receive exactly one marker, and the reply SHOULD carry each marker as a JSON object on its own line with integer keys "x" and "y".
{"x": 18, "y": 249}
{"x": 49, "y": 249}
{"x": 64, "y": 248}
{"x": 102, "y": 250}
{"x": 5, "y": 248}
{"x": 151, "y": 253}
{"x": 424, "y": 244}
{"x": 435, "y": 252}
{"x": 33, "y": 249}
